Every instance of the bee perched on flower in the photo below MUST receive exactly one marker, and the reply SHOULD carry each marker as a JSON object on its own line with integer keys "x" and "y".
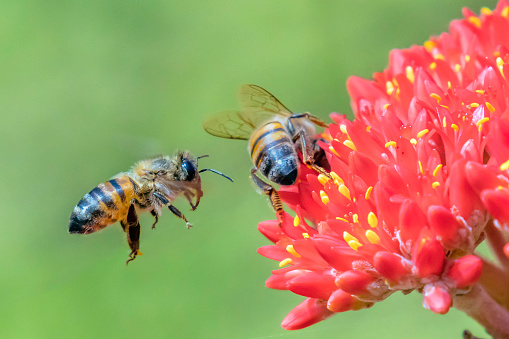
{"x": 417, "y": 181}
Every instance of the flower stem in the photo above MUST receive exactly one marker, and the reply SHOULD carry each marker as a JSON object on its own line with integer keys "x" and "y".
{"x": 482, "y": 308}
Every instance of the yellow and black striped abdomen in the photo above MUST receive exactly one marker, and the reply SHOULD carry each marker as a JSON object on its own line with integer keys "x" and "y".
{"x": 104, "y": 205}
{"x": 273, "y": 153}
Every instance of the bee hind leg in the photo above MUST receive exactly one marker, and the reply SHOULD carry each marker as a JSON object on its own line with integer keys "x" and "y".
{"x": 154, "y": 214}
{"x": 131, "y": 226}
{"x": 308, "y": 154}
{"x": 179, "y": 214}
{"x": 268, "y": 190}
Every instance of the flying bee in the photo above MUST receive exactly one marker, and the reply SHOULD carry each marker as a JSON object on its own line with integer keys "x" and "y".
{"x": 274, "y": 135}
{"x": 149, "y": 185}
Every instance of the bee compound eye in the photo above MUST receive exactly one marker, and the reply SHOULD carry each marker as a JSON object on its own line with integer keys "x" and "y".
{"x": 189, "y": 170}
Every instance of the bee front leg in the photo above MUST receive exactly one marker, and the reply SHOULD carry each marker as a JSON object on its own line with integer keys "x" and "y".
{"x": 131, "y": 226}
{"x": 179, "y": 214}
{"x": 307, "y": 154}
{"x": 271, "y": 192}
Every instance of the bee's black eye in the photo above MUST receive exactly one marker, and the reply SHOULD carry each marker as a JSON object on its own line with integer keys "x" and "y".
{"x": 188, "y": 169}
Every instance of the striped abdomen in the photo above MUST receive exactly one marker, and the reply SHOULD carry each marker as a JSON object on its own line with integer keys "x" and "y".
{"x": 104, "y": 205}
{"x": 273, "y": 153}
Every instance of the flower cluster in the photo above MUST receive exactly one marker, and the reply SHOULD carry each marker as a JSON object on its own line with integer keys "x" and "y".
{"x": 418, "y": 179}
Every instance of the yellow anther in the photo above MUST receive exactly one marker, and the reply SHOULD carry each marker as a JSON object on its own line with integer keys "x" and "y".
{"x": 337, "y": 179}
{"x": 354, "y": 244}
{"x": 435, "y": 184}
{"x": 457, "y": 67}
{"x": 463, "y": 118}
{"x": 368, "y": 128}
{"x": 437, "y": 169}
{"x": 437, "y": 97}
{"x": 433, "y": 65}
{"x": 410, "y": 74}
{"x": 372, "y": 220}
{"x": 444, "y": 106}
{"x": 485, "y": 11}
{"x": 480, "y": 91}
{"x": 422, "y": 133}
{"x": 439, "y": 57}
{"x": 345, "y": 191}
{"x": 496, "y": 54}
{"x": 296, "y": 221}
{"x": 444, "y": 122}
{"x": 333, "y": 150}
{"x": 368, "y": 192}
{"x": 372, "y": 237}
{"x": 475, "y": 21}
{"x": 474, "y": 105}
{"x": 342, "y": 128}
{"x": 429, "y": 45}
{"x": 322, "y": 178}
{"x": 482, "y": 121}
{"x": 305, "y": 235}
{"x": 385, "y": 107}
{"x": 490, "y": 107}
{"x": 505, "y": 12}
{"x": 449, "y": 84}
{"x": 420, "y": 166}
{"x": 348, "y": 237}
{"x": 390, "y": 87}
{"x": 455, "y": 127}
{"x": 292, "y": 251}
{"x": 342, "y": 219}
{"x": 413, "y": 141}
{"x": 390, "y": 143}
{"x": 324, "y": 197}
{"x": 285, "y": 262}
{"x": 349, "y": 144}
{"x": 467, "y": 57}
{"x": 355, "y": 218}
{"x": 505, "y": 165}
{"x": 500, "y": 62}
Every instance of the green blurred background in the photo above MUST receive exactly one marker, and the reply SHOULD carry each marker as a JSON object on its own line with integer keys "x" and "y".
{"x": 89, "y": 87}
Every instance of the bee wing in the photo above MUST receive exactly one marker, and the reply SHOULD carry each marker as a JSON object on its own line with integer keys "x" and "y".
{"x": 260, "y": 103}
{"x": 230, "y": 125}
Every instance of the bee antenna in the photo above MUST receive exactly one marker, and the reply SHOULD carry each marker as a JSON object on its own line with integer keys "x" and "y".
{"x": 202, "y": 156}
{"x": 217, "y": 172}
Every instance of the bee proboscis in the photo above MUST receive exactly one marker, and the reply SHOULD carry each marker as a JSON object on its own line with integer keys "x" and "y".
{"x": 149, "y": 185}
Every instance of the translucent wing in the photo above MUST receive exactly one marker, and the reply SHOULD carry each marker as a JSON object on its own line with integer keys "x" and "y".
{"x": 258, "y": 106}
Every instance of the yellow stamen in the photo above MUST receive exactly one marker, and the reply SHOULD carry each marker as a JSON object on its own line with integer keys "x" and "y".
{"x": 433, "y": 65}
{"x": 439, "y": 57}
{"x": 368, "y": 128}
{"x": 333, "y": 150}
{"x": 349, "y": 144}
{"x": 435, "y": 184}
{"x": 463, "y": 118}
{"x": 496, "y": 54}
{"x": 449, "y": 84}
{"x": 420, "y": 167}
{"x": 342, "y": 219}
{"x": 422, "y": 133}
{"x": 490, "y": 107}
{"x": 444, "y": 106}
{"x": 475, "y": 21}
{"x": 457, "y": 67}
{"x": 296, "y": 221}
{"x": 324, "y": 197}
{"x": 500, "y": 64}
{"x": 345, "y": 191}
{"x": 505, "y": 165}
{"x": 480, "y": 91}
{"x": 322, "y": 178}
{"x": 348, "y": 237}
{"x": 390, "y": 143}
{"x": 386, "y": 106}
{"x": 292, "y": 251}
{"x": 437, "y": 97}
{"x": 285, "y": 262}
{"x": 485, "y": 11}
{"x": 337, "y": 179}
{"x": 505, "y": 12}
{"x": 372, "y": 237}
{"x": 305, "y": 235}
{"x": 455, "y": 127}
{"x": 444, "y": 122}
{"x": 355, "y": 218}
{"x": 368, "y": 192}
{"x": 482, "y": 121}
{"x": 429, "y": 45}
{"x": 413, "y": 141}
{"x": 410, "y": 74}
{"x": 437, "y": 169}
{"x": 372, "y": 220}
{"x": 474, "y": 105}
{"x": 390, "y": 87}
{"x": 354, "y": 244}
{"x": 342, "y": 128}
{"x": 467, "y": 58}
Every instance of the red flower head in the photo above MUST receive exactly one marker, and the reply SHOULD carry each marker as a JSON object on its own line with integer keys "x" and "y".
{"x": 416, "y": 179}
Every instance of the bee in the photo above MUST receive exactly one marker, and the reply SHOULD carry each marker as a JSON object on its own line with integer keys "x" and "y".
{"x": 274, "y": 135}
{"x": 149, "y": 185}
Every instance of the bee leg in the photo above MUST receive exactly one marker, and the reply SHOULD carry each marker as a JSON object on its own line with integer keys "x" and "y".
{"x": 154, "y": 214}
{"x": 307, "y": 154}
{"x": 315, "y": 120}
{"x": 131, "y": 226}
{"x": 179, "y": 214}
{"x": 271, "y": 192}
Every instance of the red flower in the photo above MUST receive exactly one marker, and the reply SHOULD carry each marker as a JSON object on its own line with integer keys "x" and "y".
{"x": 416, "y": 180}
